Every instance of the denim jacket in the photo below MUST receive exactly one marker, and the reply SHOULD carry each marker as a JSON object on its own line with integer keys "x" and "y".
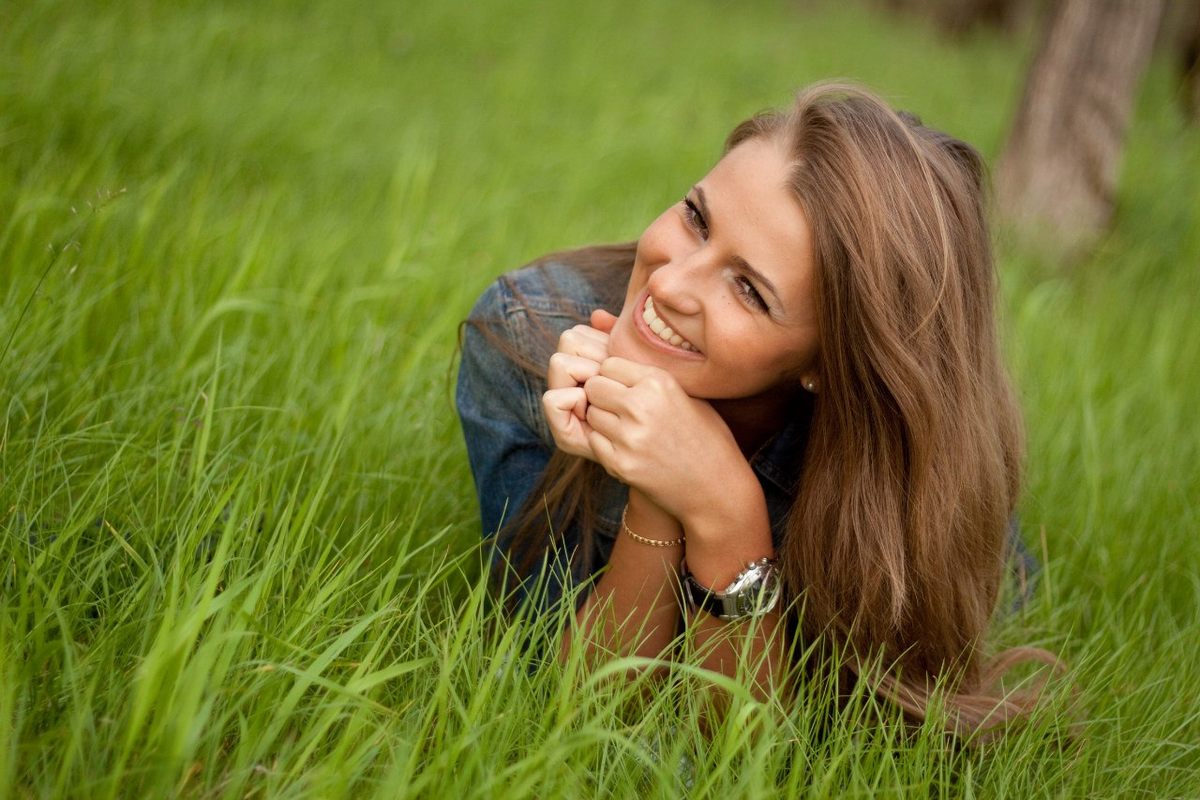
{"x": 509, "y": 442}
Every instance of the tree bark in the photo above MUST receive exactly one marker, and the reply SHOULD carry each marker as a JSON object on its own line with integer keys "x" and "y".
{"x": 1057, "y": 176}
{"x": 1186, "y": 24}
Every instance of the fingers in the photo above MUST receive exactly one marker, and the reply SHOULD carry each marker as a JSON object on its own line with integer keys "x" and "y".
{"x": 624, "y": 386}
{"x": 603, "y": 321}
{"x": 584, "y": 341}
{"x": 604, "y": 453}
{"x": 567, "y": 370}
{"x": 628, "y": 372}
{"x": 566, "y": 411}
{"x": 602, "y": 420}
{"x": 607, "y": 394}
{"x": 580, "y": 351}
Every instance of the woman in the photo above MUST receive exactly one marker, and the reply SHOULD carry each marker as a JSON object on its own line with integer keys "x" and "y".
{"x": 801, "y": 395}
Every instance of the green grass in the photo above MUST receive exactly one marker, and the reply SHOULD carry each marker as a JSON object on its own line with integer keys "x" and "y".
{"x": 238, "y": 538}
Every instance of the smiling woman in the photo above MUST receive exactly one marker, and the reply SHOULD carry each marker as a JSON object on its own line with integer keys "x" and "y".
{"x": 800, "y": 399}
{"x": 729, "y": 272}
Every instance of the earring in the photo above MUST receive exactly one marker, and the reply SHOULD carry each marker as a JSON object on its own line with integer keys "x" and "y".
{"x": 810, "y": 384}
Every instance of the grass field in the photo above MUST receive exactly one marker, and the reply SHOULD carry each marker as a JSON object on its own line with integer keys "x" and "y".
{"x": 237, "y": 529}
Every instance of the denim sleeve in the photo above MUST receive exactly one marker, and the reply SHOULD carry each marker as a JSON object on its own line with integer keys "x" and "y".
{"x": 508, "y": 440}
{"x": 508, "y": 443}
{"x": 1022, "y": 564}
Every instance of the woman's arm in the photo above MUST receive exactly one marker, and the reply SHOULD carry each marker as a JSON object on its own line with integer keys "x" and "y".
{"x": 681, "y": 463}
{"x": 634, "y": 607}
{"x": 731, "y": 533}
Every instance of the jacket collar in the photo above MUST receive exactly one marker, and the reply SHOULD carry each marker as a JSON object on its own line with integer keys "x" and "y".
{"x": 781, "y": 458}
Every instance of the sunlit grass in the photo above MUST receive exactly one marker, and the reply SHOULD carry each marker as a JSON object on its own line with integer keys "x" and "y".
{"x": 238, "y": 538}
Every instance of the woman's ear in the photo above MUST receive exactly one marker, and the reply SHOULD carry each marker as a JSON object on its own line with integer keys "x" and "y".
{"x": 811, "y": 382}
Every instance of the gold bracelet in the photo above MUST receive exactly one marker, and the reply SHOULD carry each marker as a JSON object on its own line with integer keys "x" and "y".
{"x": 643, "y": 539}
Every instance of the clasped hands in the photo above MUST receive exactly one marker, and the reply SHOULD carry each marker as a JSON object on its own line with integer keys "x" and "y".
{"x": 637, "y": 422}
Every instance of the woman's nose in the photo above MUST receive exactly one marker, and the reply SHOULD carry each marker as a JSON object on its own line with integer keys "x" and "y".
{"x": 679, "y": 284}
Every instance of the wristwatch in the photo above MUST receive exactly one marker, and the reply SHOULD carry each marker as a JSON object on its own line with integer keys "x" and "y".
{"x": 754, "y": 591}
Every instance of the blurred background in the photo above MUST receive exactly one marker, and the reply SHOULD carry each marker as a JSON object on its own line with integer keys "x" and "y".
{"x": 237, "y": 240}
{"x": 313, "y": 187}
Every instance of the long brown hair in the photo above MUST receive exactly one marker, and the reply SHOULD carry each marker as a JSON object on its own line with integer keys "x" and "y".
{"x": 896, "y": 540}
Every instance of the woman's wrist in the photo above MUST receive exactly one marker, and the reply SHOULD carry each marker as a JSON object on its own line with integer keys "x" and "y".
{"x": 718, "y": 514}
{"x": 649, "y": 542}
{"x": 645, "y": 521}
{"x": 726, "y": 536}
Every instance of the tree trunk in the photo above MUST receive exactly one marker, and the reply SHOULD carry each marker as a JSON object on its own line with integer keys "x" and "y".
{"x": 1057, "y": 175}
{"x": 1187, "y": 37}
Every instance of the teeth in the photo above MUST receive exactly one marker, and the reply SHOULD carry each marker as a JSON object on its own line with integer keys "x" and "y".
{"x": 662, "y": 330}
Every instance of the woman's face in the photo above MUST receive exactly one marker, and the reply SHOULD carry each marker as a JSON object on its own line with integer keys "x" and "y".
{"x": 721, "y": 292}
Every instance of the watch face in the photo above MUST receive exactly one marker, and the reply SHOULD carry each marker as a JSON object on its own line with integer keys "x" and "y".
{"x": 753, "y": 592}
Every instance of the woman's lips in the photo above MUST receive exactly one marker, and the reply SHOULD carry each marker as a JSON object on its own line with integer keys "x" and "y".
{"x": 656, "y": 331}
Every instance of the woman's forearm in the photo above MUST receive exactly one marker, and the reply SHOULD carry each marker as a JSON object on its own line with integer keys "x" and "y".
{"x": 634, "y": 607}
{"x": 721, "y": 543}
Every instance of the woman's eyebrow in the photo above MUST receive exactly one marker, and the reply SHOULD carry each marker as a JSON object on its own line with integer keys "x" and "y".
{"x": 739, "y": 262}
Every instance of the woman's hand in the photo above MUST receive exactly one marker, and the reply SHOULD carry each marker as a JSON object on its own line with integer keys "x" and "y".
{"x": 581, "y": 349}
{"x": 647, "y": 432}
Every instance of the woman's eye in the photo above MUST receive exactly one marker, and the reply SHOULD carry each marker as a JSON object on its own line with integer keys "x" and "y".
{"x": 694, "y": 218}
{"x": 746, "y": 289}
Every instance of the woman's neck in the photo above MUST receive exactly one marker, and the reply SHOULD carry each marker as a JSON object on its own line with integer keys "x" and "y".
{"x": 754, "y": 420}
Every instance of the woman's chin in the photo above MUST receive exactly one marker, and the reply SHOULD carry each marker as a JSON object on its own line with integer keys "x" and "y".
{"x": 620, "y": 342}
